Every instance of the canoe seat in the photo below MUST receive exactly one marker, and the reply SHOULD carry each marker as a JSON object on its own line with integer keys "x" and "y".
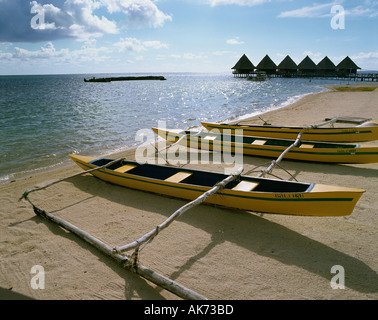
{"x": 210, "y": 138}
{"x": 259, "y": 142}
{"x": 245, "y": 186}
{"x": 179, "y": 176}
{"x": 306, "y": 146}
{"x": 125, "y": 168}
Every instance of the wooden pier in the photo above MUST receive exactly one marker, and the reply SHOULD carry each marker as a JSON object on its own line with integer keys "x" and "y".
{"x": 367, "y": 77}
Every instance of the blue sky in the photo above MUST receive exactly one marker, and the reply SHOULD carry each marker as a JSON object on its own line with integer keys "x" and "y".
{"x": 95, "y": 36}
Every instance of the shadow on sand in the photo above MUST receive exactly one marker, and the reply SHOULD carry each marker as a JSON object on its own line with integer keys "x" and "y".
{"x": 266, "y": 238}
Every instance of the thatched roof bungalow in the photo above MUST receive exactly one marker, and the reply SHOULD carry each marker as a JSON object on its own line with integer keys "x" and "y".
{"x": 326, "y": 66}
{"x": 287, "y": 66}
{"x": 347, "y": 66}
{"x": 267, "y": 65}
{"x": 243, "y": 66}
{"x": 307, "y": 66}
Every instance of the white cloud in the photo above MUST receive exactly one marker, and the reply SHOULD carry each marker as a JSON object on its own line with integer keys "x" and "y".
{"x": 155, "y": 45}
{"x": 5, "y": 56}
{"x": 133, "y": 44}
{"x": 366, "y": 60}
{"x": 318, "y": 10}
{"x": 46, "y": 52}
{"x": 82, "y": 12}
{"x": 48, "y": 20}
{"x": 249, "y": 3}
{"x": 324, "y": 10}
{"x": 191, "y": 56}
{"x": 38, "y": 20}
{"x": 234, "y": 41}
{"x": 360, "y": 11}
{"x": 139, "y": 13}
{"x": 188, "y": 56}
{"x": 313, "y": 54}
{"x": 75, "y": 19}
{"x": 221, "y": 53}
{"x": 130, "y": 44}
{"x": 49, "y": 53}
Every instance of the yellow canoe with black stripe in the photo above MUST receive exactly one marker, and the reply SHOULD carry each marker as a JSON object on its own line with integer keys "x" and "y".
{"x": 313, "y": 151}
{"x": 248, "y": 193}
{"x": 362, "y": 133}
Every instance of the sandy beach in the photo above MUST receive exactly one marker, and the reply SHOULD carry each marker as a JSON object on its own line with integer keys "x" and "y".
{"x": 223, "y": 254}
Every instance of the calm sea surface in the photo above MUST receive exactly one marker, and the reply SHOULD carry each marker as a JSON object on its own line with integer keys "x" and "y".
{"x": 44, "y": 118}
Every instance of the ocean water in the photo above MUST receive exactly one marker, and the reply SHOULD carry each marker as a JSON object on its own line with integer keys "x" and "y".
{"x": 44, "y": 118}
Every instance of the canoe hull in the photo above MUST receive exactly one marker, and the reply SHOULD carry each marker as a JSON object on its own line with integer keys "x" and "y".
{"x": 320, "y": 201}
{"x": 351, "y": 134}
{"x": 307, "y": 152}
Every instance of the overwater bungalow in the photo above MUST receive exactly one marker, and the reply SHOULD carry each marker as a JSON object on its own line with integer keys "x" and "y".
{"x": 326, "y": 66}
{"x": 287, "y": 67}
{"x": 243, "y": 67}
{"x": 346, "y": 67}
{"x": 267, "y": 65}
{"x": 307, "y": 66}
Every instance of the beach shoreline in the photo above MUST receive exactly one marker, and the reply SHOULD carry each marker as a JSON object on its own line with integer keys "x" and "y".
{"x": 51, "y": 146}
{"x": 277, "y": 257}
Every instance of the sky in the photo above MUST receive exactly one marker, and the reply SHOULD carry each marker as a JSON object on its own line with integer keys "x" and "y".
{"x": 152, "y": 36}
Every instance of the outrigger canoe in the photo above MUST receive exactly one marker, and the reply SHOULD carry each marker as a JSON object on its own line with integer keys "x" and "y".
{"x": 365, "y": 132}
{"x": 247, "y": 193}
{"x": 266, "y": 147}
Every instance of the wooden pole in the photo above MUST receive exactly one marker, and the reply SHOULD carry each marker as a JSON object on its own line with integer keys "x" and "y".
{"x": 322, "y": 124}
{"x": 144, "y": 272}
{"x": 150, "y": 235}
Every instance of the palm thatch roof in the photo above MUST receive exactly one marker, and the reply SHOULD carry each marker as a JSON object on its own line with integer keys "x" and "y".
{"x": 266, "y": 64}
{"x": 307, "y": 64}
{"x": 287, "y": 64}
{"x": 326, "y": 65}
{"x": 244, "y": 64}
{"x": 347, "y": 64}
